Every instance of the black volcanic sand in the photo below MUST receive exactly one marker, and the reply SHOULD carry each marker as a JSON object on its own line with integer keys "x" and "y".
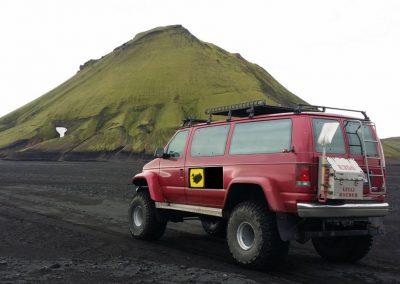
{"x": 67, "y": 222}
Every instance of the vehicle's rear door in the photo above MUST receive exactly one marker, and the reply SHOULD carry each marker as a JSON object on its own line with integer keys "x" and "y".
{"x": 337, "y": 148}
{"x": 370, "y": 147}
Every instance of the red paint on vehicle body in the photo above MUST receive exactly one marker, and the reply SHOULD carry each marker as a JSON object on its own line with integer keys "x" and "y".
{"x": 276, "y": 173}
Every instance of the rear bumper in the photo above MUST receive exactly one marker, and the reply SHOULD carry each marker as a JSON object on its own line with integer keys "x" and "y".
{"x": 314, "y": 210}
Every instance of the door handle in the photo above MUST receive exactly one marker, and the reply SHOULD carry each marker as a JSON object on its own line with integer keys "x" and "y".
{"x": 181, "y": 173}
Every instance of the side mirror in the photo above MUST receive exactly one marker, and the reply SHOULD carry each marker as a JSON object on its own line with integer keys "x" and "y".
{"x": 327, "y": 132}
{"x": 159, "y": 153}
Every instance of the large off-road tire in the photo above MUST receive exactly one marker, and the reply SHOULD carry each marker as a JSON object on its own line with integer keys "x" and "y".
{"x": 343, "y": 249}
{"x": 215, "y": 227}
{"x": 253, "y": 236}
{"x": 144, "y": 223}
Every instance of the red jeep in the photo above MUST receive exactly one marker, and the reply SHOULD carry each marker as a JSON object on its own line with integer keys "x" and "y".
{"x": 267, "y": 175}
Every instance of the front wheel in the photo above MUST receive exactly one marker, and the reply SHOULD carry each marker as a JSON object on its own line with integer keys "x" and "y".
{"x": 143, "y": 220}
{"x": 253, "y": 236}
{"x": 343, "y": 249}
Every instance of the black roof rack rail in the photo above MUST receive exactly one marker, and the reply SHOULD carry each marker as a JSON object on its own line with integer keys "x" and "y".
{"x": 304, "y": 107}
{"x": 259, "y": 107}
{"x": 187, "y": 122}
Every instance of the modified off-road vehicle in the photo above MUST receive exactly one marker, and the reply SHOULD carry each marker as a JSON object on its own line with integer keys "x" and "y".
{"x": 267, "y": 175}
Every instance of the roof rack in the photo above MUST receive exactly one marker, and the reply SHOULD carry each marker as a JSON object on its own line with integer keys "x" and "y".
{"x": 259, "y": 107}
{"x": 250, "y": 109}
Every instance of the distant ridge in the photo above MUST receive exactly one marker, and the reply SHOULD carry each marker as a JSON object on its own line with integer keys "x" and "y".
{"x": 391, "y": 147}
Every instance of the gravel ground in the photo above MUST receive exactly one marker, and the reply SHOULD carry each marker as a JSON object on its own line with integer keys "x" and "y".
{"x": 67, "y": 222}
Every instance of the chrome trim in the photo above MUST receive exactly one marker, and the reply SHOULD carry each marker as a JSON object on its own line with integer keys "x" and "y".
{"x": 245, "y": 235}
{"x": 190, "y": 208}
{"x": 138, "y": 216}
{"x": 307, "y": 210}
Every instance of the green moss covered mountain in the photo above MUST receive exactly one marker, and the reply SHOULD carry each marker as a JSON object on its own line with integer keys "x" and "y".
{"x": 132, "y": 99}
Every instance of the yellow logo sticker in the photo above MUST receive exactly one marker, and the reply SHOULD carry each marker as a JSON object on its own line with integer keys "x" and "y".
{"x": 196, "y": 177}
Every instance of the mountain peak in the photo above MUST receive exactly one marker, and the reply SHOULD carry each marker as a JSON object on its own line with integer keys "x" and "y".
{"x": 153, "y": 33}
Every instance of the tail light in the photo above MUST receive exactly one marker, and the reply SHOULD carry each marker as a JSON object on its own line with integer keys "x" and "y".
{"x": 303, "y": 176}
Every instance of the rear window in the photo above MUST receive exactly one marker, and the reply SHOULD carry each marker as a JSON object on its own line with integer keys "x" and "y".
{"x": 261, "y": 137}
{"x": 337, "y": 145}
{"x": 353, "y": 131}
{"x": 209, "y": 141}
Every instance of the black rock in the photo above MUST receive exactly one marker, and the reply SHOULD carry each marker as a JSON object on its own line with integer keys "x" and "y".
{"x": 55, "y": 265}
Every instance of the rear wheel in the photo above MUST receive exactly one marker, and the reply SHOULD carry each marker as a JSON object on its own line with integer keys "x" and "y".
{"x": 143, "y": 220}
{"x": 214, "y": 226}
{"x": 253, "y": 236}
{"x": 343, "y": 249}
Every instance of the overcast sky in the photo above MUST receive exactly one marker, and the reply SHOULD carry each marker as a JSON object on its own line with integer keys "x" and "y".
{"x": 336, "y": 53}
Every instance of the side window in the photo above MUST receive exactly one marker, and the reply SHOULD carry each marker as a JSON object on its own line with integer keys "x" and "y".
{"x": 177, "y": 144}
{"x": 337, "y": 145}
{"x": 261, "y": 137}
{"x": 353, "y": 132}
{"x": 209, "y": 141}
